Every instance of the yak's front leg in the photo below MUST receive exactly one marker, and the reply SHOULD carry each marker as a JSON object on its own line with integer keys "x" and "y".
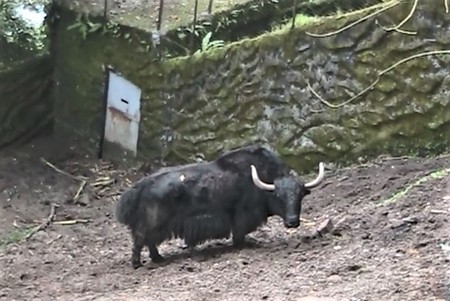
{"x": 241, "y": 227}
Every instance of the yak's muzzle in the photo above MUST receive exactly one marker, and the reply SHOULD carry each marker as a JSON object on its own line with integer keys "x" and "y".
{"x": 292, "y": 222}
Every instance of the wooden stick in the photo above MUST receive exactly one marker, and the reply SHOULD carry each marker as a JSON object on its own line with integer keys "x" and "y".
{"x": 439, "y": 211}
{"x": 71, "y": 222}
{"x": 45, "y": 224}
{"x": 53, "y": 240}
{"x": 315, "y": 35}
{"x": 397, "y": 27}
{"x": 78, "y": 178}
{"x": 77, "y": 195}
{"x": 304, "y": 220}
{"x": 379, "y": 75}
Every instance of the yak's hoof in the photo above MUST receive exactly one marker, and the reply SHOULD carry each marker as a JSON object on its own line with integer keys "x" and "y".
{"x": 136, "y": 264}
{"x": 239, "y": 243}
{"x": 244, "y": 244}
{"x": 157, "y": 258}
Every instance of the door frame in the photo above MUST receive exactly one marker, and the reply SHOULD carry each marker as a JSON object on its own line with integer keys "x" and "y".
{"x": 107, "y": 70}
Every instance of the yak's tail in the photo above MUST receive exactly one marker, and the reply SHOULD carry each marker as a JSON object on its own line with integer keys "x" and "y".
{"x": 128, "y": 205}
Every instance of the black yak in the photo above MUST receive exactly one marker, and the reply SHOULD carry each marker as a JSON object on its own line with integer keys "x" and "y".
{"x": 233, "y": 194}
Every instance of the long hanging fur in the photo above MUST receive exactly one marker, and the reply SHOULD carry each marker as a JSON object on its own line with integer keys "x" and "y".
{"x": 198, "y": 228}
{"x": 128, "y": 205}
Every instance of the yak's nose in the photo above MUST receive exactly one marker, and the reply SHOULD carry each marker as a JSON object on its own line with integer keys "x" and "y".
{"x": 292, "y": 222}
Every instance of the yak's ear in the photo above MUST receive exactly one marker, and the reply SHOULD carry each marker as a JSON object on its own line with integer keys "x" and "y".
{"x": 307, "y": 191}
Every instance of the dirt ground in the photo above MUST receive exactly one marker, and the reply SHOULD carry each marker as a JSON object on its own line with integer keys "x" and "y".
{"x": 144, "y": 13}
{"x": 381, "y": 248}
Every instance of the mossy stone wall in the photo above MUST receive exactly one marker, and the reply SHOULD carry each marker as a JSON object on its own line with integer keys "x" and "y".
{"x": 257, "y": 91}
{"x": 26, "y": 103}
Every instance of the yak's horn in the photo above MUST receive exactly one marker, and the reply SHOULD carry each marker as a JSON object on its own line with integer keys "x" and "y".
{"x": 318, "y": 180}
{"x": 257, "y": 181}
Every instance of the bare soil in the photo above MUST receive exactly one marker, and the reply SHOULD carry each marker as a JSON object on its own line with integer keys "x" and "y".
{"x": 379, "y": 249}
{"x": 144, "y": 13}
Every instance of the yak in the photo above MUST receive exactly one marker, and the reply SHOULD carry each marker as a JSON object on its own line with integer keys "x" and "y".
{"x": 231, "y": 195}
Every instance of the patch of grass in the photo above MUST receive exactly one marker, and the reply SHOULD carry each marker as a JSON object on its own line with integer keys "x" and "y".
{"x": 15, "y": 236}
{"x": 300, "y": 21}
{"x": 439, "y": 174}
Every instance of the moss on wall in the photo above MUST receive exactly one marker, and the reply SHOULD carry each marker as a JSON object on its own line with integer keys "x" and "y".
{"x": 26, "y": 100}
{"x": 257, "y": 91}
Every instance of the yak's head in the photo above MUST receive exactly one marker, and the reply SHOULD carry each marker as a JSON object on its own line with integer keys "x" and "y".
{"x": 289, "y": 192}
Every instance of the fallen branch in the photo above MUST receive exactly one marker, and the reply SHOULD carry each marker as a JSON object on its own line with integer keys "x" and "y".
{"x": 304, "y": 220}
{"x": 353, "y": 23}
{"x": 55, "y": 239}
{"x": 397, "y": 27}
{"x": 76, "y": 178}
{"x": 103, "y": 181}
{"x": 71, "y": 222}
{"x": 45, "y": 224}
{"x": 434, "y": 211}
{"x": 80, "y": 189}
{"x": 379, "y": 75}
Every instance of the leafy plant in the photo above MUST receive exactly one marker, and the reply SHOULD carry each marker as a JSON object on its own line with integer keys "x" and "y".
{"x": 84, "y": 25}
{"x": 207, "y": 44}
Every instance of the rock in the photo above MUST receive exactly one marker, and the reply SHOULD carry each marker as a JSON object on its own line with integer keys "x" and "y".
{"x": 83, "y": 200}
{"x": 334, "y": 278}
{"x": 397, "y": 224}
{"x": 41, "y": 236}
{"x": 354, "y": 267}
{"x": 325, "y": 226}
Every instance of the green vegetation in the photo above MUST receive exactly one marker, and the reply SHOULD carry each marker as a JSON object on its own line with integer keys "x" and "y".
{"x": 302, "y": 22}
{"x": 439, "y": 174}
{"x": 230, "y": 20}
{"x": 15, "y": 236}
{"x": 207, "y": 44}
{"x": 20, "y": 38}
{"x": 84, "y": 25}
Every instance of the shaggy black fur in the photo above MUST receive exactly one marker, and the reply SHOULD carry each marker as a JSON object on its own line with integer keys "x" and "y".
{"x": 199, "y": 202}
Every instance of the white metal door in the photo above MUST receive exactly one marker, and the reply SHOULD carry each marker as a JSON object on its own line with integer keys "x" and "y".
{"x": 122, "y": 114}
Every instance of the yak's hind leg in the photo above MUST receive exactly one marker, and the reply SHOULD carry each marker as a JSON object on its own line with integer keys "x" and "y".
{"x": 138, "y": 244}
{"x": 152, "y": 240}
{"x": 153, "y": 250}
